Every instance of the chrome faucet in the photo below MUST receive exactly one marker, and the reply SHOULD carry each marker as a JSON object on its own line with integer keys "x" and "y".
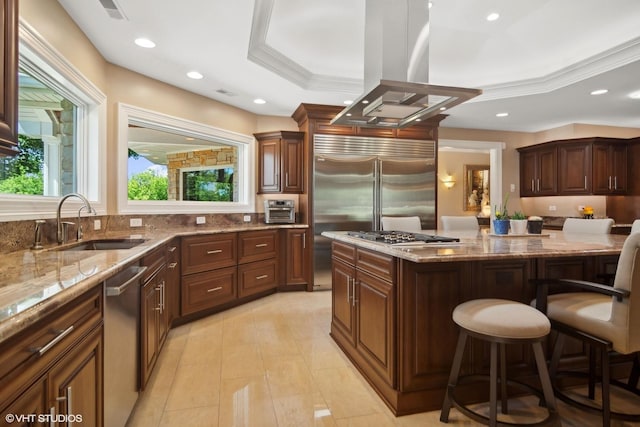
{"x": 61, "y": 236}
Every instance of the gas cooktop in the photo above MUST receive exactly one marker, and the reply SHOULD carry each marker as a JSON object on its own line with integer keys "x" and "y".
{"x": 394, "y": 237}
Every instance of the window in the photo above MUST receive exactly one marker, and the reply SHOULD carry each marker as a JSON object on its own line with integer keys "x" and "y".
{"x": 62, "y": 138}
{"x": 207, "y": 184}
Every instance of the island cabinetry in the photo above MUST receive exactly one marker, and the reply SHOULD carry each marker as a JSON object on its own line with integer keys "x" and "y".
{"x": 280, "y": 162}
{"x": 57, "y": 363}
{"x": 154, "y": 318}
{"x": 295, "y": 262}
{"x": 538, "y": 169}
{"x": 257, "y": 262}
{"x": 209, "y": 271}
{"x": 363, "y": 318}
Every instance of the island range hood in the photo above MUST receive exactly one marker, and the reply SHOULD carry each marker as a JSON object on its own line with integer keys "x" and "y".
{"x": 396, "y": 69}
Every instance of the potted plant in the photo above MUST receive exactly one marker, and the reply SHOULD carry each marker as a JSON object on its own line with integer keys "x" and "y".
{"x": 501, "y": 220}
{"x": 518, "y": 223}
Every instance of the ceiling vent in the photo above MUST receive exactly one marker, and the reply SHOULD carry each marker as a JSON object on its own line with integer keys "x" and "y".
{"x": 113, "y": 9}
{"x": 396, "y": 69}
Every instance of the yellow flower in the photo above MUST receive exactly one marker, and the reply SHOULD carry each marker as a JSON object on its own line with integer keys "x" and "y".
{"x": 588, "y": 210}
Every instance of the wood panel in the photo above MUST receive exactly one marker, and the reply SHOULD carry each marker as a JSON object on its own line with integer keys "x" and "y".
{"x": 208, "y": 289}
{"x": 574, "y": 173}
{"x": 343, "y": 307}
{"x": 257, "y": 277}
{"x": 202, "y": 253}
{"x": 257, "y": 245}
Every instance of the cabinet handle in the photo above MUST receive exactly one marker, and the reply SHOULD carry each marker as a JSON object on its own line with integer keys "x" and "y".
{"x": 585, "y": 182}
{"x": 532, "y": 187}
{"x": 261, "y": 245}
{"x": 609, "y": 182}
{"x": 69, "y": 408}
{"x": 286, "y": 179}
{"x": 52, "y": 412}
{"x": 348, "y": 289}
{"x": 304, "y": 240}
{"x": 173, "y": 265}
{"x": 172, "y": 248}
{"x": 538, "y": 182}
{"x": 615, "y": 182}
{"x": 353, "y": 292}
{"x": 162, "y": 285}
{"x": 214, "y": 289}
{"x": 264, "y": 276}
{"x": 217, "y": 251}
{"x": 61, "y": 334}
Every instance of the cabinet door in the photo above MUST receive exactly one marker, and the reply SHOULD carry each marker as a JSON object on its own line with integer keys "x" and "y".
{"x": 163, "y": 313}
{"x": 343, "y": 320}
{"x": 609, "y": 169}
{"x": 257, "y": 277}
{"x": 208, "y": 289}
{"x": 619, "y": 168}
{"x": 75, "y": 382}
{"x": 9, "y": 77}
{"x": 257, "y": 245}
{"x": 31, "y": 402}
{"x": 296, "y": 269}
{"x": 203, "y": 253}
{"x": 172, "y": 286}
{"x": 148, "y": 330}
{"x": 375, "y": 320}
{"x": 547, "y": 172}
{"x": 292, "y": 165}
{"x": 574, "y": 176}
{"x": 528, "y": 176}
{"x": 269, "y": 166}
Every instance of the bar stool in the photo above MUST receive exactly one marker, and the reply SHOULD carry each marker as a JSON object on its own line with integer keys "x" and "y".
{"x": 500, "y": 322}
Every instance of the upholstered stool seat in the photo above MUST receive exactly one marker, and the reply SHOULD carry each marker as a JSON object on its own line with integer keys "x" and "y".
{"x": 500, "y": 322}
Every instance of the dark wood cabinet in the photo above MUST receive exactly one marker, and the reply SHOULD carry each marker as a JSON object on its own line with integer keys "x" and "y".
{"x": 610, "y": 162}
{"x": 280, "y": 162}
{"x": 9, "y": 77}
{"x": 574, "y": 169}
{"x": 172, "y": 284}
{"x": 538, "y": 169}
{"x": 257, "y": 262}
{"x": 296, "y": 270}
{"x": 55, "y": 366}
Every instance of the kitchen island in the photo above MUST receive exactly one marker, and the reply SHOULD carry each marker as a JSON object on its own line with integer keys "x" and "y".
{"x": 392, "y": 305}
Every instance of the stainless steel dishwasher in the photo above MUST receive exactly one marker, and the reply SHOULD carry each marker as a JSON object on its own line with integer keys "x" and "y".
{"x": 121, "y": 332}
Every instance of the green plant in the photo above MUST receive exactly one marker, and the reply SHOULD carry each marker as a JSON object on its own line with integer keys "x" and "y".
{"x": 518, "y": 215}
{"x": 503, "y": 212}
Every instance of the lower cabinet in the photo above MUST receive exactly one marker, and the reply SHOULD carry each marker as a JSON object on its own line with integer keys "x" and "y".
{"x": 363, "y": 317}
{"x": 208, "y": 289}
{"x": 55, "y": 367}
{"x": 257, "y": 276}
{"x": 172, "y": 284}
{"x": 296, "y": 266}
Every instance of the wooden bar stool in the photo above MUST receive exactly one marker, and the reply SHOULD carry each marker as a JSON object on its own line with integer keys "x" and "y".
{"x": 500, "y": 322}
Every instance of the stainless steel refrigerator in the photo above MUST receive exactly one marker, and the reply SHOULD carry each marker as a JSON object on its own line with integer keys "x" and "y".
{"x": 352, "y": 192}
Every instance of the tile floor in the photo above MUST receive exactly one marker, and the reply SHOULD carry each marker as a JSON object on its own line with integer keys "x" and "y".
{"x": 272, "y": 363}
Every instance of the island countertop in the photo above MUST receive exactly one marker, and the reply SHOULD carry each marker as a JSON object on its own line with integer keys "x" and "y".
{"x": 34, "y": 283}
{"x": 482, "y": 245}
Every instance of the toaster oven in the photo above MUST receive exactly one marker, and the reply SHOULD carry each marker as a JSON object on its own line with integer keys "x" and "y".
{"x": 279, "y": 212}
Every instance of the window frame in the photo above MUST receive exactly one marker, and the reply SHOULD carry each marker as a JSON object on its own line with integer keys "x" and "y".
{"x": 37, "y": 55}
{"x": 195, "y": 169}
{"x": 151, "y": 119}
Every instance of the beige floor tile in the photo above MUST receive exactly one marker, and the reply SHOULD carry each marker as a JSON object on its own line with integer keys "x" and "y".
{"x": 200, "y": 350}
{"x": 239, "y": 333}
{"x": 345, "y": 393}
{"x": 194, "y": 386}
{"x": 303, "y": 410}
{"x": 241, "y": 361}
{"x": 147, "y": 412}
{"x": 378, "y": 420}
{"x": 288, "y": 376}
{"x": 206, "y": 416}
{"x": 246, "y": 402}
{"x": 321, "y": 353}
{"x": 163, "y": 374}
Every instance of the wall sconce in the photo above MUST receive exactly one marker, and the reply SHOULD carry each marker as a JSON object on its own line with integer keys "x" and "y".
{"x": 448, "y": 181}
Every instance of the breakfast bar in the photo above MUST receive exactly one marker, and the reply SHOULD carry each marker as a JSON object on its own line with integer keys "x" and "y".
{"x": 392, "y": 303}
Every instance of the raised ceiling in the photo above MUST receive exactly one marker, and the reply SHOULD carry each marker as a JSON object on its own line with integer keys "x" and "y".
{"x": 538, "y": 62}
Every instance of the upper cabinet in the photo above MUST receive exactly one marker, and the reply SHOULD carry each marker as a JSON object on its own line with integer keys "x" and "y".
{"x": 9, "y": 78}
{"x": 575, "y": 167}
{"x": 280, "y": 162}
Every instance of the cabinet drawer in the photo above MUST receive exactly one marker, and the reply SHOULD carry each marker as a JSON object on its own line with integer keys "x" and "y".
{"x": 202, "y": 253}
{"x": 257, "y": 277}
{"x": 153, "y": 262}
{"x": 383, "y": 266}
{"x": 257, "y": 245}
{"x": 35, "y": 348}
{"x": 206, "y": 290}
{"x": 345, "y": 253}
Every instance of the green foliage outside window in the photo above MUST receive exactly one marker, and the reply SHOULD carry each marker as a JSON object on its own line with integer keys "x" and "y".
{"x": 147, "y": 185}
{"x": 210, "y": 185}
{"x": 22, "y": 173}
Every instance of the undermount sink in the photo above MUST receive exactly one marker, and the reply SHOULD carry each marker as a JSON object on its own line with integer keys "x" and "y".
{"x": 103, "y": 244}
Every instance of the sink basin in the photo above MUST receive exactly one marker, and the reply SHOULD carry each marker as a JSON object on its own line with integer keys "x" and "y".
{"x": 103, "y": 244}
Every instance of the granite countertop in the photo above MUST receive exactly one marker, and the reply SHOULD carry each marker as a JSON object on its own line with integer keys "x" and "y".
{"x": 482, "y": 245}
{"x": 33, "y": 283}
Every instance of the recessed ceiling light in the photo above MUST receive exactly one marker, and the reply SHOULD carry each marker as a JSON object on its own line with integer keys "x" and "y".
{"x": 635, "y": 95}
{"x": 502, "y": 114}
{"x": 443, "y": 108}
{"x": 365, "y": 101}
{"x": 493, "y": 16}
{"x": 599, "y": 92}
{"x": 259, "y": 101}
{"x": 348, "y": 114}
{"x": 430, "y": 4}
{"x": 347, "y": 102}
{"x": 142, "y": 42}
{"x": 194, "y": 75}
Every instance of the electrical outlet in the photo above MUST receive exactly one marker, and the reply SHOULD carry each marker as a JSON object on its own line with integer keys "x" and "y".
{"x": 97, "y": 224}
{"x": 200, "y": 220}
{"x": 513, "y": 188}
{"x": 580, "y": 207}
{"x": 247, "y": 218}
{"x": 552, "y": 207}
{"x": 135, "y": 222}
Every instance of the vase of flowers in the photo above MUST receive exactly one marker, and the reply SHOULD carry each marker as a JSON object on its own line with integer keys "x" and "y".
{"x": 518, "y": 223}
{"x": 501, "y": 221}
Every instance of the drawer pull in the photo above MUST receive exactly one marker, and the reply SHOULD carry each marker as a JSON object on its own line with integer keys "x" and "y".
{"x": 173, "y": 265}
{"x": 261, "y": 245}
{"x": 214, "y": 289}
{"x": 42, "y": 350}
{"x": 172, "y": 249}
{"x": 264, "y": 276}
{"x": 217, "y": 251}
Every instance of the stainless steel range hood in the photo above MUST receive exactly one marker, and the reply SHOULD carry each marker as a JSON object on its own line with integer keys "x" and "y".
{"x": 396, "y": 69}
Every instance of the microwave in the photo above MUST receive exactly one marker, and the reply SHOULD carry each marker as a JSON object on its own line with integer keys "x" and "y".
{"x": 279, "y": 212}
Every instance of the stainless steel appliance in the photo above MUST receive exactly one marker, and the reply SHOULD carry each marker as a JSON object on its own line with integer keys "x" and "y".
{"x": 121, "y": 331}
{"x": 400, "y": 237}
{"x": 279, "y": 212}
{"x": 357, "y": 180}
